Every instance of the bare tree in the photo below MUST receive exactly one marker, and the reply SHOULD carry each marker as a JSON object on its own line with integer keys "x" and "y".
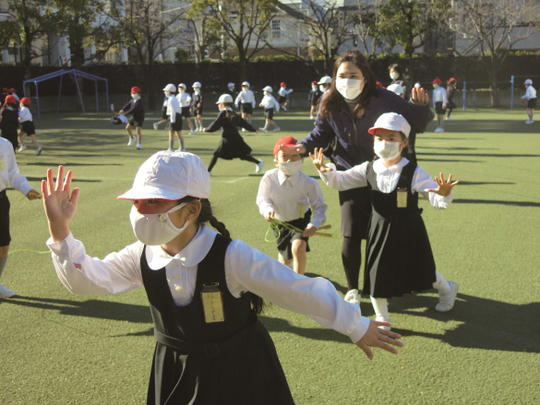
{"x": 365, "y": 25}
{"x": 493, "y": 28}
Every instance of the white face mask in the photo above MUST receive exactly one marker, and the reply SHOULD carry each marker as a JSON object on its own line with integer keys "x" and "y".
{"x": 266, "y": 93}
{"x": 435, "y": 86}
{"x": 155, "y": 229}
{"x": 134, "y": 96}
{"x": 314, "y": 88}
{"x": 321, "y": 88}
{"x": 181, "y": 90}
{"x": 394, "y": 75}
{"x": 290, "y": 168}
{"x": 386, "y": 150}
{"x": 349, "y": 88}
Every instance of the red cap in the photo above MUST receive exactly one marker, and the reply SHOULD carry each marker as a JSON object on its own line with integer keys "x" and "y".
{"x": 25, "y": 101}
{"x": 12, "y": 90}
{"x": 452, "y": 79}
{"x": 283, "y": 84}
{"x": 314, "y": 82}
{"x": 135, "y": 90}
{"x": 379, "y": 84}
{"x": 283, "y": 141}
{"x": 11, "y": 100}
{"x": 436, "y": 81}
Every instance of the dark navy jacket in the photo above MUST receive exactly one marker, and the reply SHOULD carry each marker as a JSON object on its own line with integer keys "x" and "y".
{"x": 349, "y": 139}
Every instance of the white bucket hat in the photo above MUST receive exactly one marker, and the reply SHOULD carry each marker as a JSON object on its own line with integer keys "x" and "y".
{"x": 231, "y": 84}
{"x": 225, "y": 98}
{"x": 325, "y": 80}
{"x": 245, "y": 84}
{"x": 268, "y": 88}
{"x": 196, "y": 84}
{"x": 393, "y": 122}
{"x": 170, "y": 176}
{"x": 395, "y": 88}
{"x": 528, "y": 81}
{"x": 170, "y": 87}
{"x": 182, "y": 85}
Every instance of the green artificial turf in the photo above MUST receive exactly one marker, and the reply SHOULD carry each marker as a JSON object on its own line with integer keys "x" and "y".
{"x": 59, "y": 348}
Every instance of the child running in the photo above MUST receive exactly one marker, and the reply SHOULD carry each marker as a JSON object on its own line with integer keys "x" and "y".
{"x": 232, "y": 144}
{"x": 135, "y": 107}
{"x": 246, "y": 100}
{"x": 269, "y": 103}
{"x": 289, "y": 195}
{"x": 9, "y": 121}
{"x": 283, "y": 93}
{"x": 174, "y": 115}
{"x": 197, "y": 106}
{"x": 164, "y": 117}
{"x": 27, "y": 125}
{"x": 9, "y": 177}
{"x": 205, "y": 290}
{"x": 185, "y": 102}
{"x": 399, "y": 258}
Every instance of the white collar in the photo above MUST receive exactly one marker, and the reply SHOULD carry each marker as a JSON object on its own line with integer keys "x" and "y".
{"x": 190, "y": 256}
{"x": 379, "y": 167}
{"x": 282, "y": 178}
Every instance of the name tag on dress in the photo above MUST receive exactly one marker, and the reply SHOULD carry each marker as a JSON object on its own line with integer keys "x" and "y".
{"x": 212, "y": 299}
{"x": 402, "y": 194}
{"x": 301, "y": 211}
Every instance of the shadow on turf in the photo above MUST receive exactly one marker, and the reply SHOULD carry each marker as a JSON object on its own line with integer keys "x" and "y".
{"x": 483, "y": 323}
{"x": 499, "y": 202}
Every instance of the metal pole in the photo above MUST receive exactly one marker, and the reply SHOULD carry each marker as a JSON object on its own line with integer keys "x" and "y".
{"x": 512, "y": 92}
{"x": 464, "y": 94}
{"x": 79, "y": 92}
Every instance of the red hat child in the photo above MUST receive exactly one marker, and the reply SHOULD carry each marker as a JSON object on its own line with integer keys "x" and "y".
{"x": 283, "y": 84}
{"x": 11, "y": 100}
{"x": 452, "y": 79}
{"x": 436, "y": 81}
{"x": 135, "y": 90}
{"x": 284, "y": 141}
{"x": 25, "y": 101}
{"x": 314, "y": 82}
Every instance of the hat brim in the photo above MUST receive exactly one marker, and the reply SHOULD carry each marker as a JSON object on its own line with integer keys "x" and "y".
{"x": 150, "y": 193}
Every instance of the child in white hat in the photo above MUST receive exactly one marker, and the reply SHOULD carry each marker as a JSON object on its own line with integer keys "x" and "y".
{"x": 197, "y": 106}
{"x": 205, "y": 290}
{"x": 399, "y": 258}
{"x": 232, "y": 144}
{"x": 185, "y": 102}
{"x": 246, "y": 101}
{"x": 530, "y": 96}
{"x": 269, "y": 104}
{"x": 174, "y": 114}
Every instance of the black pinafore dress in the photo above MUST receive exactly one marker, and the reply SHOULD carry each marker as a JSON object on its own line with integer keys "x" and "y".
{"x": 199, "y": 363}
{"x": 399, "y": 259}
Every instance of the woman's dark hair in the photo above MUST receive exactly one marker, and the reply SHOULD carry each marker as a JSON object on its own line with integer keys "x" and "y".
{"x": 231, "y": 115}
{"x": 206, "y": 215}
{"x": 397, "y": 68}
{"x": 335, "y": 100}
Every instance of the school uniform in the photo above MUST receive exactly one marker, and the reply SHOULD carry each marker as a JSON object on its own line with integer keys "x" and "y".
{"x": 27, "y": 124}
{"x": 232, "y": 144}
{"x": 314, "y": 96}
{"x": 174, "y": 113}
{"x": 269, "y": 103}
{"x": 450, "y": 91}
{"x": 185, "y": 101}
{"x": 9, "y": 177}
{"x": 10, "y": 125}
{"x": 530, "y": 95}
{"x": 292, "y": 199}
{"x": 196, "y": 362}
{"x": 283, "y": 95}
{"x": 195, "y": 100}
{"x": 246, "y": 100}
{"x": 439, "y": 99}
{"x": 136, "y": 109}
{"x": 399, "y": 259}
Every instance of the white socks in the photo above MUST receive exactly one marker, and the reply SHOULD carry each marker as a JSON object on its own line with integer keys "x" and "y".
{"x": 380, "y": 305}
{"x": 441, "y": 284}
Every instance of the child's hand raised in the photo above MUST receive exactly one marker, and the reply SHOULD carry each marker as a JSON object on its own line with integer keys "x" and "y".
{"x": 318, "y": 160}
{"x": 445, "y": 186}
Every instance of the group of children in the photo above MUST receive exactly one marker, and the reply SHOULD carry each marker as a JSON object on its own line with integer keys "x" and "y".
{"x": 15, "y": 112}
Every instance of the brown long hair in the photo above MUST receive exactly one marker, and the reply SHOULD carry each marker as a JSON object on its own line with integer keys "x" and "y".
{"x": 335, "y": 100}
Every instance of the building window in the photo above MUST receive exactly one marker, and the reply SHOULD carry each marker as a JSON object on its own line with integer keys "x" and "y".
{"x": 276, "y": 29}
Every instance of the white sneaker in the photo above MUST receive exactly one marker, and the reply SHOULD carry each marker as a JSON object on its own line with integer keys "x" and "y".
{"x": 437, "y": 129}
{"x": 446, "y": 301}
{"x": 193, "y": 132}
{"x": 38, "y": 151}
{"x": 383, "y": 318}
{"x": 353, "y": 296}
{"x": 243, "y": 130}
{"x": 156, "y": 125}
{"x": 131, "y": 141}
{"x": 209, "y": 173}
{"x": 529, "y": 122}
{"x": 21, "y": 148}
{"x": 449, "y": 119}
{"x": 276, "y": 129}
{"x": 311, "y": 117}
{"x": 259, "y": 167}
{"x": 171, "y": 150}
{"x": 6, "y": 293}
{"x": 139, "y": 146}
{"x": 263, "y": 130}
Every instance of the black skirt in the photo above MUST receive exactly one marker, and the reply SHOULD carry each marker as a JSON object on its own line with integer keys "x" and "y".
{"x": 232, "y": 147}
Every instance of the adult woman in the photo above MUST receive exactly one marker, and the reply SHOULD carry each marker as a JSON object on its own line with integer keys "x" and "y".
{"x": 396, "y": 74}
{"x": 348, "y": 110}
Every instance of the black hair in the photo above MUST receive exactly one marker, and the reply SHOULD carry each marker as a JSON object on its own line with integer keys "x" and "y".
{"x": 206, "y": 215}
{"x": 230, "y": 114}
{"x": 397, "y": 68}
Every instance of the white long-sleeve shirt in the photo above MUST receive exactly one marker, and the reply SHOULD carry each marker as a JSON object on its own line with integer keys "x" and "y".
{"x": 387, "y": 180}
{"x": 246, "y": 269}
{"x": 245, "y": 97}
{"x": 291, "y": 197}
{"x": 283, "y": 92}
{"x": 530, "y": 93}
{"x": 439, "y": 95}
{"x": 9, "y": 171}
{"x": 173, "y": 108}
{"x": 269, "y": 101}
{"x": 25, "y": 114}
{"x": 184, "y": 99}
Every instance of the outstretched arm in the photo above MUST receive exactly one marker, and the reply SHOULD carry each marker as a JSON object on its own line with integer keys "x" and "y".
{"x": 445, "y": 186}
{"x": 379, "y": 338}
{"x": 60, "y": 204}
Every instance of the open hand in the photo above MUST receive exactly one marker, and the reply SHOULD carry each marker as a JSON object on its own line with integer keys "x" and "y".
{"x": 419, "y": 96}
{"x": 380, "y": 338}
{"x": 445, "y": 186}
{"x": 318, "y": 160}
